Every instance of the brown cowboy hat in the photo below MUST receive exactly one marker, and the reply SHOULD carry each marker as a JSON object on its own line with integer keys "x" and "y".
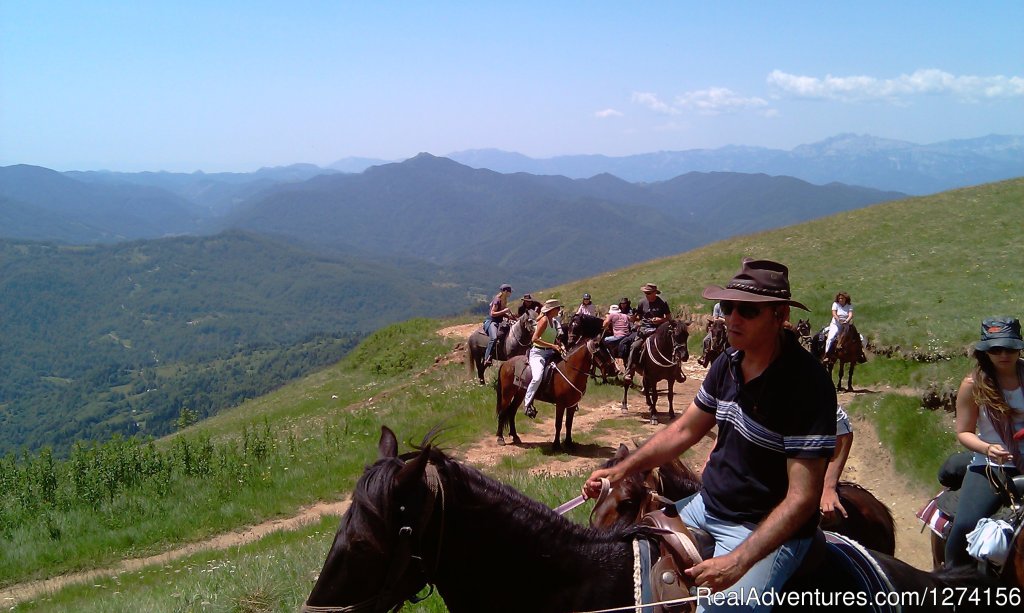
{"x": 757, "y": 281}
{"x": 650, "y": 287}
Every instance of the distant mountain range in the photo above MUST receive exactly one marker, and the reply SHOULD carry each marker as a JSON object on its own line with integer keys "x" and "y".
{"x": 471, "y": 225}
{"x": 542, "y": 229}
{"x": 853, "y": 159}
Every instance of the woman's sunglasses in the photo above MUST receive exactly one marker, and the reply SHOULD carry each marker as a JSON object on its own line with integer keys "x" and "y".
{"x": 1001, "y": 350}
{"x": 746, "y": 310}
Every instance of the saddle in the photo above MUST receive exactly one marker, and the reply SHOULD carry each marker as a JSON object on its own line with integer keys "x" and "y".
{"x": 677, "y": 553}
{"x": 522, "y": 374}
{"x": 939, "y": 513}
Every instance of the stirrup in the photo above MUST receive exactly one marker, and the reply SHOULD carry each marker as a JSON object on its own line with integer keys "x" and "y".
{"x": 530, "y": 411}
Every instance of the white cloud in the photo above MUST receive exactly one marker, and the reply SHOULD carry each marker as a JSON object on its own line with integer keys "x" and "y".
{"x": 654, "y": 103}
{"x": 711, "y": 101}
{"x": 606, "y": 113}
{"x": 922, "y": 82}
{"x": 717, "y": 100}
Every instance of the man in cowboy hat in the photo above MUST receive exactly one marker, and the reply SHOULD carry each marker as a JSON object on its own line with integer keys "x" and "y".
{"x": 651, "y": 312}
{"x": 775, "y": 408}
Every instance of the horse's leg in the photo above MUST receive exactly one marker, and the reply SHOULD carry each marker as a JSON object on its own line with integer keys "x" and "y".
{"x": 651, "y": 391}
{"x": 849, "y": 378}
{"x": 513, "y": 408}
{"x": 625, "y": 392}
{"x": 671, "y": 393}
{"x": 570, "y": 413}
{"x": 559, "y": 410}
{"x": 500, "y": 408}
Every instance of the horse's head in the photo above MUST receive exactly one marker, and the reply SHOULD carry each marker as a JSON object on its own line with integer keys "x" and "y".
{"x": 603, "y": 358}
{"x": 803, "y": 327}
{"x": 387, "y": 545}
{"x": 642, "y": 492}
{"x": 583, "y": 326}
{"x": 631, "y": 498}
{"x": 680, "y": 335}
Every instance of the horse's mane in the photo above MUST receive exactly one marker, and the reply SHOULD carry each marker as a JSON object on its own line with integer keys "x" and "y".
{"x": 860, "y": 488}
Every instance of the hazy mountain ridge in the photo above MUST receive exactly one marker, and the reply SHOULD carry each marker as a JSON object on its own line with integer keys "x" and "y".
{"x": 864, "y": 160}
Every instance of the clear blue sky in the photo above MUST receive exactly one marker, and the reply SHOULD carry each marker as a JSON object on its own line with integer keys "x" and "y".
{"x": 182, "y": 85}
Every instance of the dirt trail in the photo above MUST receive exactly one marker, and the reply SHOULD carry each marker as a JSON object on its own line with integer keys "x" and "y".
{"x": 33, "y": 589}
{"x": 869, "y": 465}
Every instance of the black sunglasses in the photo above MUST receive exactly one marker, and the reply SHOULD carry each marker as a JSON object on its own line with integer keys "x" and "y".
{"x": 1001, "y": 350}
{"x": 746, "y": 310}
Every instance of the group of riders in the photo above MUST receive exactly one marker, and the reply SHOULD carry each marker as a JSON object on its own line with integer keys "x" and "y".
{"x": 775, "y": 407}
{"x": 625, "y": 329}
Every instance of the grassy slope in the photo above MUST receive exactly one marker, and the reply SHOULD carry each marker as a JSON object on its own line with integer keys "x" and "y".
{"x": 922, "y": 272}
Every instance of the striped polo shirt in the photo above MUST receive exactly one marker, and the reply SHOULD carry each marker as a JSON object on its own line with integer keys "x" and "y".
{"x": 788, "y": 411}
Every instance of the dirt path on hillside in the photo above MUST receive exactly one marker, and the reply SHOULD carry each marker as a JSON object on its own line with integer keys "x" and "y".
{"x": 33, "y": 589}
{"x": 869, "y": 465}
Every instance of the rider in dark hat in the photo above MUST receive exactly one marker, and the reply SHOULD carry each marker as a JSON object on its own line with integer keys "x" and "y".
{"x": 775, "y": 408}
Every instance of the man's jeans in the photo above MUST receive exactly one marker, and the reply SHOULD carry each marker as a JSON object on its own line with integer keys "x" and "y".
{"x": 770, "y": 573}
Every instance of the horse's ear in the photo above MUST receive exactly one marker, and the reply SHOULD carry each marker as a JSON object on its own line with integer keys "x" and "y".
{"x": 622, "y": 452}
{"x": 388, "y": 444}
{"x": 412, "y": 472}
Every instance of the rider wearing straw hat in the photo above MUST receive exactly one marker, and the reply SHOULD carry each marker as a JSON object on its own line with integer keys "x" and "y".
{"x": 775, "y": 408}
{"x": 545, "y": 347}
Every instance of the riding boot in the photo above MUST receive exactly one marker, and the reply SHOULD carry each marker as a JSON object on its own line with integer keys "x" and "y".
{"x": 530, "y": 411}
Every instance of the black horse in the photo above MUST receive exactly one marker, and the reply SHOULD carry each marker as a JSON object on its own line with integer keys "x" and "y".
{"x": 660, "y": 360}
{"x": 423, "y": 520}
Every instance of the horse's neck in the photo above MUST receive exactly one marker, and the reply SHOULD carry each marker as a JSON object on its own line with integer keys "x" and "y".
{"x": 554, "y": 564}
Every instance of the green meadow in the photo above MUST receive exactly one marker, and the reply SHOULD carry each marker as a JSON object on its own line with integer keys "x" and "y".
{"x": 922, "y": 273}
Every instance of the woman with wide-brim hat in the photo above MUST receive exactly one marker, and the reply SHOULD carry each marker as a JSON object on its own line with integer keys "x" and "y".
{"x": 989, "y": 422}
{"x": 546, "y": 346}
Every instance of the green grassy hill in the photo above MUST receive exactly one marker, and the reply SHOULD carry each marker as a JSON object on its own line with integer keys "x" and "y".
{"x": 922, "y": 272}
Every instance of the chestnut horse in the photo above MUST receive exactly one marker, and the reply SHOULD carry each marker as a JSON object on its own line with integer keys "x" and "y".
{"x": 662, "y": 353}
{"x": 423, "y": 520}
{"x": 869, "y": 521}
{"x": 566, "y": 387}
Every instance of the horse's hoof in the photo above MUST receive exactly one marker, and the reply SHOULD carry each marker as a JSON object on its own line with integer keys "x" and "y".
{"x": 501, "y": 440}
{"x": 556, "y": 446}
{"x": 516, "y": 440}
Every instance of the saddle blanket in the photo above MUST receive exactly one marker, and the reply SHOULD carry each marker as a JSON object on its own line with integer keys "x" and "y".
{"x": 937, "y": 520}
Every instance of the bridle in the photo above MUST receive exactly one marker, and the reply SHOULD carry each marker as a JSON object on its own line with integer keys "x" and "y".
{"x": 407, "y": 555}
{"x": 655, "y": 354}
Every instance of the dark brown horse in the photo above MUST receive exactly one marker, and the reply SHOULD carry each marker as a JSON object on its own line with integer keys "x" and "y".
{"x": 869, "y": 521}
{"x": 715, "y": 344}
{"x": 423, "y": 520}
{"x": 847, "y": 349}
{"x": 564, "y": 389}
{"x": 517, "y": 342}
{"x": 660, "y": 359}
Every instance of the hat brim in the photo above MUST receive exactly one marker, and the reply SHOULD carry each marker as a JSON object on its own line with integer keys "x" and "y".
{"x": 1008, "y": 343}
{"x": 714, "y": 292}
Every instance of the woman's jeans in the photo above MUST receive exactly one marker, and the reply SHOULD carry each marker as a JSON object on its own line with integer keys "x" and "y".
{"x": 977, "y": 500}
{"x": 491, "y": 328}
{"x": 770, "y": 573}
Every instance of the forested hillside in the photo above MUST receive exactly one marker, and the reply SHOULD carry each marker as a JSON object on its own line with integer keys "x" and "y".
{"x": 104, "y": 339}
